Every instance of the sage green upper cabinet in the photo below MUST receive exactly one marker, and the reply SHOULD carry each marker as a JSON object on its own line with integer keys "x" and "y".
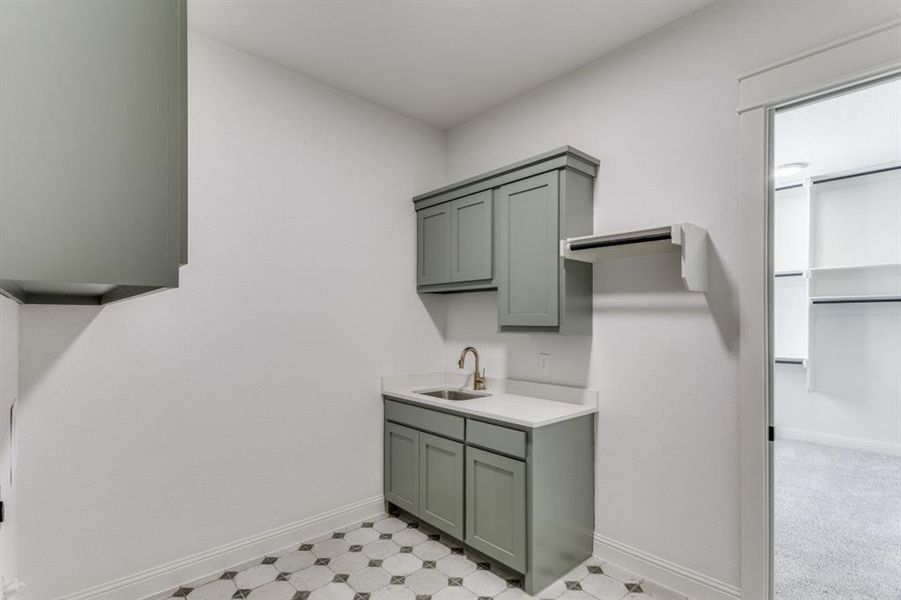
{"x": 505, "y": 230}
{"x": 433, "y": 229}
{"x": 93, "y": 149}
{"x": 454, "y": 244}
{"x": 527, "y": 252}
{"x": 496, "y": 507}
{"x": 471, "y": 233}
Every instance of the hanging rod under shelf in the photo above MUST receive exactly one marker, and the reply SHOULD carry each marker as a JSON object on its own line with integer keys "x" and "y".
{"x": 788, "y": 274}
{"x": 853, "y": 299}
{"x": 789, "y": 361}
{"x": 685, "y": 239}
{"x": 623, "y": 241}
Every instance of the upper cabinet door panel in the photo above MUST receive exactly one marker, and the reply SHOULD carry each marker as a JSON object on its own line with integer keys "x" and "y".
{"x": 92, "y": 155}
{"x": 433, "y": 238}
{"x": 527, "y": 252}
{"x": 471, "y": 226}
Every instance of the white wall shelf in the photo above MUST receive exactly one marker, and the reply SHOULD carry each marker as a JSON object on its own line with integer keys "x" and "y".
{"x": 685, "y": 239}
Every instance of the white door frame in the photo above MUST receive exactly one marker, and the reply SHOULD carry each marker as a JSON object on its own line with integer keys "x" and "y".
{"x": 856, "y": 60}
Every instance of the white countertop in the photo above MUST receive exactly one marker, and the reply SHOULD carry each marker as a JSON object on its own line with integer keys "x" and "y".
{"x": 517, "y": 402}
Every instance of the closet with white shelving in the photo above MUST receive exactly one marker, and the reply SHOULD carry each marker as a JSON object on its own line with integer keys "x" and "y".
{"x": 837, "y": 309}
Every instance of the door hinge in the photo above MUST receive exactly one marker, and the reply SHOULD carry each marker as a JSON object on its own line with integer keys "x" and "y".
{"x": 771, "y": 433}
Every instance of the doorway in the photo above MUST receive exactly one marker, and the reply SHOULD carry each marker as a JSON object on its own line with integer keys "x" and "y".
{"x": 836, "y": 346}
{"x": 865, "y": 58}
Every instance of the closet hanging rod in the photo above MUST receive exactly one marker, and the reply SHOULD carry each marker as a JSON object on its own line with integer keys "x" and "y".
{"x": 857, "y": 300}
{"x": 789, "y": 361}
{"x": 788, "y": 273}
{"x": 853, "y": 174}
{"x": 638, "y": 239}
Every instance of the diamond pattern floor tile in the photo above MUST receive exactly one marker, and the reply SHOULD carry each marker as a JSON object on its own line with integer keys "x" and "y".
{"x": 295, "y": 561}
{"x": 254, "y": 577}
{"x": 431, "y": 550}
{"x": 276, "y": 590}
{"x": 369, "y": 579}
{"x": 311, "y": 578}
{"x": 484, "y": 583}
{"x": 603, "y": 587}
{"x": 330, "y": 548}
{"x": 456, "y": 565}
{"x": 349, "y": 562}
{"x": 398, "y": 558}
{"x": 426, "y": 582}
{"x": 393, "y": 592}
{"x": 221, "y": 589}
{"x": 381, "y": 549}
{"x": 333, "y": 591}
{"x": 454, "y": 593}
{"x": 409, "y": 537}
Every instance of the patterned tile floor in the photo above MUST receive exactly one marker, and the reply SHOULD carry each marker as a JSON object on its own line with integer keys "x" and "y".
{"x": 397, "y": 558}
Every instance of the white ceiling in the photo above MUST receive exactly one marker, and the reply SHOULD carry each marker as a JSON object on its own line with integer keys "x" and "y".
{"x": 439, "y": 61}
{"x": 852, "y": 131}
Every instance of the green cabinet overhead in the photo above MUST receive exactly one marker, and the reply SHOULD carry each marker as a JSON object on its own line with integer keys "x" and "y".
{"x": 502, "y": 230}
{"x": 454, "y": 244}
{"x": 93, "y": 154}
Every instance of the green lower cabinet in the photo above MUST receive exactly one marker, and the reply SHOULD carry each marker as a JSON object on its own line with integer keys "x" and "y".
{"x": 441, "y": 483}
{"x": 402, "y": 467}
{"x": 496, "y": 507}
{"x": 522, "y": 497}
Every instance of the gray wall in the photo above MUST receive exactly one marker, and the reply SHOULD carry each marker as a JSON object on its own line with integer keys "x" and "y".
{"x": 248, "y": 398}
{"x": 660, "y": 116}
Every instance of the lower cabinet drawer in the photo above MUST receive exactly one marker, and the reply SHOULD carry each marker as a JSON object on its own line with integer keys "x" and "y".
{"x": 494, "y": 437}
{"x": 433, "y": 421}
{"x": 496, "y": 507}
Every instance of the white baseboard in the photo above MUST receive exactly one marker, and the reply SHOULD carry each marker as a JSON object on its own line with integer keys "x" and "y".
{"x": 676, "y": 577}
{"x": 840, "y": 441}
{"x": 164, "y": 577}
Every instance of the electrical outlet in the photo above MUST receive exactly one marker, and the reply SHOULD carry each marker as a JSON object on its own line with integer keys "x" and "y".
{"x": 544, "y": 364}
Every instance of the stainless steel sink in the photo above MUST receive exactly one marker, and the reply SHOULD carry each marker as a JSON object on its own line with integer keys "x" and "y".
{"x": 452, "y": 394}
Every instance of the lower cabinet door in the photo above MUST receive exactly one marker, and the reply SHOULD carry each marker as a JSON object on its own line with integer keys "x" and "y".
{"x": 402, "y": 467}
{"x": 496, "y": 507}
{"x": 441, "y": 483}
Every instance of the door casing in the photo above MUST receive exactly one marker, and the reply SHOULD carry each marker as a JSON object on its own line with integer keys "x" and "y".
{"x": 858, "y": 60}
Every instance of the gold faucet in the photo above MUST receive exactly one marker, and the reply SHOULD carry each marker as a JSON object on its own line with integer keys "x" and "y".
{"x": 478, "y": 382}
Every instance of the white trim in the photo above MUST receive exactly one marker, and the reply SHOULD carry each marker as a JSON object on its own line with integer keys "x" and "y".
{"x": 865, "y": 55}
{"x": 840, "y": 65}
{"x": 167, "y": 576}
{"x": 839, "y": 441}
{"x": 676, "y": 577}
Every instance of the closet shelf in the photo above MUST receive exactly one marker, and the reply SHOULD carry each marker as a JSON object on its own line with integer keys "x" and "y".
{"x": 854, "y": 268}
{"x": 854, "y": 299}
{"x": 686, "y": 239}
